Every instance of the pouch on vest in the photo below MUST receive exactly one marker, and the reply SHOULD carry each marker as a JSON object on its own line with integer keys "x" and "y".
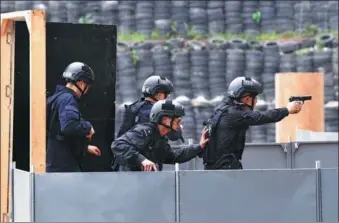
{"x": 210, "y": 152}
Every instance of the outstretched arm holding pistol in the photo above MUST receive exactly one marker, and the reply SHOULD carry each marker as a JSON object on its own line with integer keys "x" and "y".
{"x": 296, "y": 102}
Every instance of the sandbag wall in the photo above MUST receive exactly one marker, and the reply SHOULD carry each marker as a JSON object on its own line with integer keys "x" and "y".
{"x": 201, "y": 72}
{"x": 203, "y": 17}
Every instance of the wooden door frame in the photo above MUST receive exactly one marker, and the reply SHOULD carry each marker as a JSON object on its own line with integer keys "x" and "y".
{"x": 36, "y": 24}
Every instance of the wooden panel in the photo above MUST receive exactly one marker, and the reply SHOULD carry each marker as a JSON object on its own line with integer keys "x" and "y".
{"x": 37, "y": 28}
{"x": 6, "y": 106}
{"x": 312, "y": 115}
{"x": 35, "y": 20}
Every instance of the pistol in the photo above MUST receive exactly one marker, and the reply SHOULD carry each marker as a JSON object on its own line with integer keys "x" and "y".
{"x": 300, "y": 98}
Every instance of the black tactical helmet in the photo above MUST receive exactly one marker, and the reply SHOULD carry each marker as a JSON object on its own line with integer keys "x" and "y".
{"x": 155, "y": 84}
{"x": 166, "y": 107}
{"x": 78, "y": 71}
{"x": 241, "y": 85}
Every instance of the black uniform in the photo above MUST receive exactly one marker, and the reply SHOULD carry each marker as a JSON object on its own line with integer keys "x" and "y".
{"x": 139, "y": 111}
{"x": 144, "y": 141}
{"x": 66, "y": 142}
{"x": 231, "y": 130}
{"x": 229, "y": 123}
{"x": 66, "y": 130}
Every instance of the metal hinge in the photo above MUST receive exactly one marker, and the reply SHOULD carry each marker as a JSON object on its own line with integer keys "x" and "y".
{"x": 8, "y": 91}
{"x": 9, "y": 38}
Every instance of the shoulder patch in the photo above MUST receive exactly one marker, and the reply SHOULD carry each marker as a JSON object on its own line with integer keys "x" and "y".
{"x": 147, "y": 132}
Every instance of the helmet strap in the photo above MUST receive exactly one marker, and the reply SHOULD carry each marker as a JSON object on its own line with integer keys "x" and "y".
{"x": 146, "y": 95}
{"x": 170, "y": 126}
{"x": 239, "y": 102}
{"x": 251, "y": 106}
{"x": 81, "y": 91}
{"x": 154, "y": 98}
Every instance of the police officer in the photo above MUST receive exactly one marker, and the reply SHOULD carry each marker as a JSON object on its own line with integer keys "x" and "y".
{"x": 67, "y": 132}
{"x": 145, "y": 147}
{"x": 228, "y": 124}
{"x": 154, "y": 88}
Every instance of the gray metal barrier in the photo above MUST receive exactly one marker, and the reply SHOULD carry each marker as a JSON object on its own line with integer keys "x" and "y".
{"x": 329, "y": 189}
{"x": 267, "y": 156}
{"x": 105, "y": 197}
{"x": 248, "y": 196}
{"x": 22, "y": 195}
{"x": 304, "y": 154}
{"x": 286, "y": 195}
{"x": 280, "y": 156}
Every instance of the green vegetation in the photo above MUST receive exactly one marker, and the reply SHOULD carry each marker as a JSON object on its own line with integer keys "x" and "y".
{"x": 86, "y": 20}
{"x": 309, "y": 31}
{"x": 136, "y": 37}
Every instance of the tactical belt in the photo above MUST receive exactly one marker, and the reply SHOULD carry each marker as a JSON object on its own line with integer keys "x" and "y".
{"x": 226, "y": 161}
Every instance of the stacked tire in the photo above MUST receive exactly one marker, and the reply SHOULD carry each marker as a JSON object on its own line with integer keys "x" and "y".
{"x": 74, "y": 11}
{"x": 181, "y": 72}
{"x": 58, "y": 11}
{"x": 162, "y": 17}
{"x": 180, "y": 16}
{"x": 288, "y": 62}
{"x": 233, "y": 17}
{"x": 144, "y": 17}
{"x": 250, "y": 26}
{"x": 216, "y": 17}
{"x": 144, "y": 66}
{"x": 126, "y": 17}
{"x": 93, "y": 10}
{"x": 320, "y": 14}
{"x": 110, "y": 12}
{"x": 333, "y": 16}
{"x": 198, "y": 17}
{"x": 188, "y": 121}
{"x": 199, "y": 69}
{"x": 18, "y": 6}
{"x": 162, "y": 64}
{"x": 7, "y": 6}
{"x": 268, "y": 19}
{"x": 323, "y": 63}
{"x": 254, "y": 64}
{"x": 335, "y": 65}
{"x": 302, "y": 15}
{"x": 271, "y": 67}
{"x": 236, "y": 64}
{"x": 285, "y": 16}
{"x": 217, "y": 67}
{"x": 125, "y": 75}
{"x": 331, "y": 116}
{"x": 305, "y": 62}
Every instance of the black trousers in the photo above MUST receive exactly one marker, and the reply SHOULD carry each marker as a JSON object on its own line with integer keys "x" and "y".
{"x": 225, "y": 162}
